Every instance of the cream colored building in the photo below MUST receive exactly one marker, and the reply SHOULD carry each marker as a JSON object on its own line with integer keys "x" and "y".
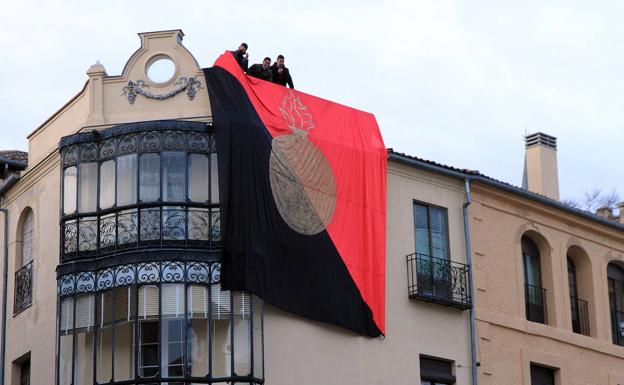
{"x": 548, "y": 278}
{"x": 113, "y": 255}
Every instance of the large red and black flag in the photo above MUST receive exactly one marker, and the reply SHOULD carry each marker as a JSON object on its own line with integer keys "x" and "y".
{"x": 303, "y": 199}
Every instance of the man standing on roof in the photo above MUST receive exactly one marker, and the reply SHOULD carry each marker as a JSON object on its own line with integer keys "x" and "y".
{"x": 241, "y": 56}
{"x": 262, "y": 71}
{"x": 281, "y": 74}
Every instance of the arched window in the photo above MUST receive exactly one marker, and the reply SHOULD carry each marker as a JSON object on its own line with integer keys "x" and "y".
{"x": 615, "y": 275}
{"x": 28, "y": 230}
{"x": 23, "y": 262}
{"x": 535, "y": 294}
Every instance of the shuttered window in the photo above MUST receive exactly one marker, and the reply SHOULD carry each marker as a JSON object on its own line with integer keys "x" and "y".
{"x": 172, "y": 300}
{"x": 148, "y": 302}
{"x": 84, "y": 306}
{"x": 85, "y": 311}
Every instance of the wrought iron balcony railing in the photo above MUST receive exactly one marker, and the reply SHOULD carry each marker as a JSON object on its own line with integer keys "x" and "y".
{"x": 438, "y": 280}
{"x": 535, "y": 301}
{"x": 617, "y": 327}
{"x": 141, "y": 227}
{"x": 580, "y": 315}
{"x": 23, "y": 288}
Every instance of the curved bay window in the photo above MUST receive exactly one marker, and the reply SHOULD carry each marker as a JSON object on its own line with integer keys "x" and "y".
{"x": 137, "y": 186}
{"x": 155, "y": 323}
{"x": 140, "y": 300}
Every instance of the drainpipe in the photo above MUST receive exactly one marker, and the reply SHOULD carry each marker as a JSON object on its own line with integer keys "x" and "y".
{"x": 5, "y": 278}
{"x": 473, "y": 336}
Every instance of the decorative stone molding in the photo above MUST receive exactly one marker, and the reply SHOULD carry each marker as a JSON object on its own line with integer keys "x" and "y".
{"x": 139, "y": 87}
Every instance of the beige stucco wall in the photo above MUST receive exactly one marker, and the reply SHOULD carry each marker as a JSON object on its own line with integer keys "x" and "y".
{"x": 299, "y": 351}
{"x": 34, "y": 329}
{"x": 507, "y": 343}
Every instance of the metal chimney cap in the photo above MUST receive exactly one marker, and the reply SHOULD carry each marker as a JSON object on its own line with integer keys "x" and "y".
{"x": 539, "y": 138}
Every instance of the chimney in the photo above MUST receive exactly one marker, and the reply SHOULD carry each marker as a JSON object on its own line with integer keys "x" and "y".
{"x": 540, "y": 165}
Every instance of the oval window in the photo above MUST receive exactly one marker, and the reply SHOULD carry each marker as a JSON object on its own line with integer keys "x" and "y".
{"x": 161, "y": 70}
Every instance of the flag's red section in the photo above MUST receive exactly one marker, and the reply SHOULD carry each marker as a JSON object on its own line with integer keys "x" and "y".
{"x": 351, "y": 142}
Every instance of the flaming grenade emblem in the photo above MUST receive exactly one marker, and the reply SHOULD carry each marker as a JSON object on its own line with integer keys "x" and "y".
{"x": 301, "y": 180}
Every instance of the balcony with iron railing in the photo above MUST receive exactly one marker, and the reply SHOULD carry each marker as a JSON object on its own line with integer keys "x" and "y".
{"x": 580, "y": 315}
{"x": 23, "y": 288}
{"x": 438, "y": 280}
{"x": 142, "y": 227}
{"x": 535, "y": 303}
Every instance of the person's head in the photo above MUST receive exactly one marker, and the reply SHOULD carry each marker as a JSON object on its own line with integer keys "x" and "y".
{"x": 280, "y": 60}
{"x": 266, "y": 62}
{"x": 242, "y": 48}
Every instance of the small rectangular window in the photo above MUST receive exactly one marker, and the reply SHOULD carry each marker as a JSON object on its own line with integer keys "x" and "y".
{"x": 127, "y": 180}
{"x": 25, "y": 372}
{"x": 435, "y": 371}
{"x": 88, "y": 187}
{"x": 541, "y": 375}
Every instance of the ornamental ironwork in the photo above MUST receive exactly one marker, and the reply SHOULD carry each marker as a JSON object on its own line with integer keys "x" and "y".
{"x": 23, "y": 288}
{"x": 204, "y": 273}
{"x": 189, "y": 84}
{"x": 139, "y": 142}
{"x": 144, "y": 228}
{"x": 438, "y": 280}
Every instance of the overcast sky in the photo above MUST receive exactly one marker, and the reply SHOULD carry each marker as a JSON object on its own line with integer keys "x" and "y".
{"x": 455, "y": 82}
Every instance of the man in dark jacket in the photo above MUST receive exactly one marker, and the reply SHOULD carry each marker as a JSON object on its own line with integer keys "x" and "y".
{"x": 281, "y": 75}
{"x": 262, "y": 71}
{"x": 241, "y": 56}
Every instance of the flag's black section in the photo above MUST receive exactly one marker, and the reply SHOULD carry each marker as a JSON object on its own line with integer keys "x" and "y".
{"x": 302, "y": 274}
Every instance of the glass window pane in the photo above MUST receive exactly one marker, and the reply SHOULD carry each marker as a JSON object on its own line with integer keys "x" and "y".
{"x": 241, "y": 303}
{"x": 220, "y": 327}
{"x": 421, "y": 229}
{"x": 198, "y": 178}
{"x": 258, "y": 359}
{"x": 69, "y": 190}
{"x": 126, "y": 180}
{"x": 83, "y": 369}
{"x": 150, "y": 177}
{"x": 148, "y": 349}
{"x": 104, "y": 337}
{"x": 198, "y": 337}
{"x": 173, "y": 346}
{"x": 88, "y": 187}
{"x": 124, "y": 350}
{"x": 65, "y": 359}
{"x": 28, "y": 230}
{"x": 214, "y": 178}
{"x": 104, "y": 355}
{"x": 439, "y": 241}
{"x": 174, "y": 170}
{"x": 107, "y": 184}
